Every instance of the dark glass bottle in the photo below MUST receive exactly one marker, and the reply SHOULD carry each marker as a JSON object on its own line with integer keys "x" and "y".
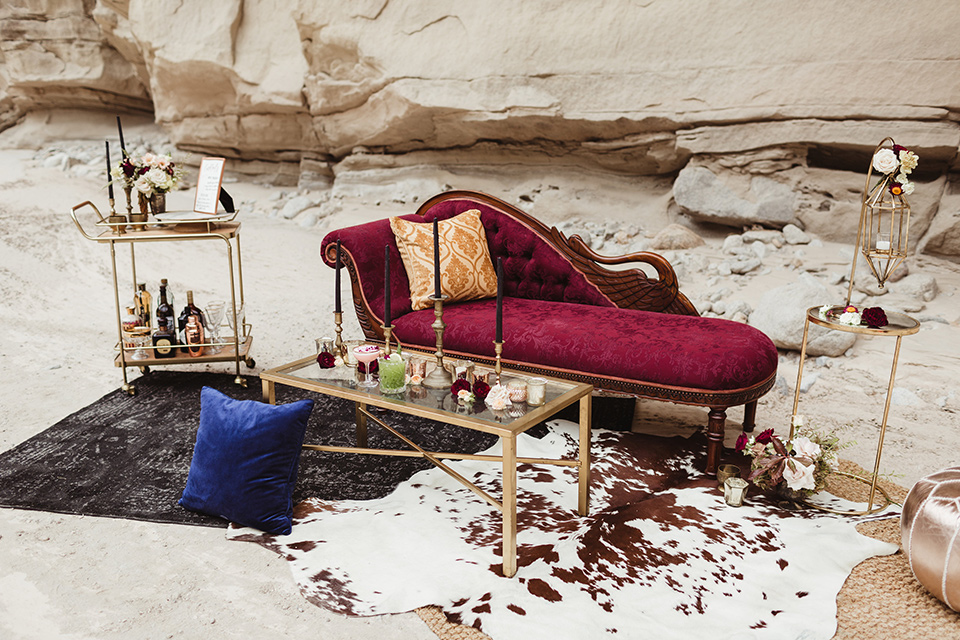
{"x": 189, "y": 310}
{"x": 165, "y": 312}
{"x": 165, "y": 342}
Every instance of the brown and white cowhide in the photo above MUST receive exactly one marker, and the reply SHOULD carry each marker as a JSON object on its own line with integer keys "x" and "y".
{"x": 660, "y": 555}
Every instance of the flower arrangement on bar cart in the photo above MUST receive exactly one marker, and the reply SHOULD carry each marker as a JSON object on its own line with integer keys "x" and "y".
{"x": 151, "y": 175}
{"x": 795, "y": 469}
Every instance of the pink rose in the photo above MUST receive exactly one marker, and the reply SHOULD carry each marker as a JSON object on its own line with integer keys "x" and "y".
{"x": 798, "y": 476}
{"x": 806, "y": 448}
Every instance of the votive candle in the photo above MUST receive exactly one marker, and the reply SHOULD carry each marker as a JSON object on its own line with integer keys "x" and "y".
{"x": 336, "y": 290}
{"x": 386, "y": 285}
{"x": 436, "y": 259}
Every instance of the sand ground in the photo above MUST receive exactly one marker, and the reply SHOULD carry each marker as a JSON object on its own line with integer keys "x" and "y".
{"x": 75, "y": 577}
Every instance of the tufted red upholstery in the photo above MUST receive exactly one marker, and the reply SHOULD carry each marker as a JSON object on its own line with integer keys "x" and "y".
{"x": 531, "y": 267}
{"x": 680, "y": 351}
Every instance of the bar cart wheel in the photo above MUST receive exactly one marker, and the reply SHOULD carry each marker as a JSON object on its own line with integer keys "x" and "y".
{"x": 240, "y": 380}
{"x": 131, "y": 390}
{"x": 250, "y": 362}
{"x": 145, "y": 370}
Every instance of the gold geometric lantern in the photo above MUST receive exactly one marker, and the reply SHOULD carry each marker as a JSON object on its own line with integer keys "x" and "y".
{"x": 884, "y": 212}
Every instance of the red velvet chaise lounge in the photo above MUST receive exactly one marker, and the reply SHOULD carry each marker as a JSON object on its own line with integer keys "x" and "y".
{"x": 566, "y": 316}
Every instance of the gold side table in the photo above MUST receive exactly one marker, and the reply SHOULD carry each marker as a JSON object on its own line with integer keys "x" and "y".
{"x": 898, "y": 325}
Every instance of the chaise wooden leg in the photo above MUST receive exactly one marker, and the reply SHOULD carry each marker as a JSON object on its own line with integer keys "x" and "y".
{"x": 749, "y": 416}
{"x": 716, "y": 421}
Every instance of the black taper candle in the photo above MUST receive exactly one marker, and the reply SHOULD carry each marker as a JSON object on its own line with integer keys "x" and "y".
{"x": 499, "y": 337}
{"x": 386, "y": 285}
{"x": 123, "y": 147}
{"x": 336, "y": 291}
{"x": 436, "y": 259}
{"x": 109, "y": 177}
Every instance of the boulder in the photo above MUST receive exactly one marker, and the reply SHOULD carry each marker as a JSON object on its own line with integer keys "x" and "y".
{"x": 919, "y": 286}
{"x": 704, "y": 196}
{"x": 793, "y": 234}
{"x": 781, "y": 313}
{"x": 676, "y": 236}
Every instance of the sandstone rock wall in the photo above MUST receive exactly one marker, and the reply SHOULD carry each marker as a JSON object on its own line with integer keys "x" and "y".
{"x": 767, "y": 111}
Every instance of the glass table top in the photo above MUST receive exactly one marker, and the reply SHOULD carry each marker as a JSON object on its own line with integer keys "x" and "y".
{"x": 440, "y": 404}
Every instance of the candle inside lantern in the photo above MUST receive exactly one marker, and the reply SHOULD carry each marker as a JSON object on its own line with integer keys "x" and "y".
{"x": 336, "y": 290}
{"x": 436, "y": 259}
{"x": 386, "y": 285}
{"x": 883, "y": 242}
{"x": 123, "y": 147}
{"x": 109, "y": 181}
{"x": 499, "y": 337}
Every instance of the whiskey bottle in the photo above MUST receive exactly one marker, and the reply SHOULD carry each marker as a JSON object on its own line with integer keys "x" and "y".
{"x": 193, "y": 332}
{"x": 164, "y": 341}
{"x": 165, "y": 311}
{"x": 189, "y": 310}
{"x": 143, "y": 302}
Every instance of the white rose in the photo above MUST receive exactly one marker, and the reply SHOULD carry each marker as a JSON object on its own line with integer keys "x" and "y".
{"x": 885, "y": 161}
{"x": 851, "y": 318}
{"x": 798, "y": 476}
{"x": 806, "y": 448}
{"x": 143, "y": 185}
{"x": 908, "y": 161}
{"x": 907, "y": 188}
{"x": 823, "y": 311}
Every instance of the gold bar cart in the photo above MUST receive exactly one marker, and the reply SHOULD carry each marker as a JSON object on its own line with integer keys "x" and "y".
{"x": 234, "y": 348}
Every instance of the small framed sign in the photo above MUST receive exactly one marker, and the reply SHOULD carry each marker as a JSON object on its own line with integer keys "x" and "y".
{"x": 208, "y": 185}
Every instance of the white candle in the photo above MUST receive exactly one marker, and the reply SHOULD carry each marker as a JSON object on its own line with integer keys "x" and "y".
{"x": 883, "y": 245}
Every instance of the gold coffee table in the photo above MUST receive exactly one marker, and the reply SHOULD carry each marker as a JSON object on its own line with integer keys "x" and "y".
{"x": 438, "y": 404}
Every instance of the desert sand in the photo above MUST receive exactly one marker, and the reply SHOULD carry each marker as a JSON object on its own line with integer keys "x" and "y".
{"x": 78, "y": 577}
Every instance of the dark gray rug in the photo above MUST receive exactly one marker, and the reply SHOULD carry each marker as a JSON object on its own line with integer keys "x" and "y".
{"x": 128, "y": 457}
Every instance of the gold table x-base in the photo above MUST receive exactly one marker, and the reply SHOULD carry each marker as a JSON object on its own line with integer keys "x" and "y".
{"x": 440, "y": 406}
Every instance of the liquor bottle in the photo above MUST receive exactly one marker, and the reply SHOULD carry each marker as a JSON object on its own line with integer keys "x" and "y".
{"x": 165, "y": 341}
{"x": 143, "y": 302}
{"x": 189, "y": 310}
{"x": 193, "y": 333}
{"x": 128, "y": 322}
{"x": 165, "y": 312}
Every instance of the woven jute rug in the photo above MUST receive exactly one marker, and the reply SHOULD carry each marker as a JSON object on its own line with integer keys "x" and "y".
{"x": 880, "y": 599}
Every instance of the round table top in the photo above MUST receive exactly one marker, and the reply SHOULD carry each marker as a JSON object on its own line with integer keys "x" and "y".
{"x": 898, "y": 324}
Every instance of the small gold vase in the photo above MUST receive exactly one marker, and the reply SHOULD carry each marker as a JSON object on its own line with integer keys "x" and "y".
{"x": 158, "y": 203}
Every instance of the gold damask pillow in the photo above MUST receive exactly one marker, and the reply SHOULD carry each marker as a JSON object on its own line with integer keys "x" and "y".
{"x": 466, "y": 270}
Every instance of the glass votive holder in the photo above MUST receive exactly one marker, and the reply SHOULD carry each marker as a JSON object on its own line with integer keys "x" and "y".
{"x": 734, "y": 491}
{"x": 725, "y": 471}
{"x": 349, "y": 357}
{"x": 325, "y": 345}
{"x": 536, "y": 391}
{"x": 418, "y": 367}
{"x": 517, "y": 391}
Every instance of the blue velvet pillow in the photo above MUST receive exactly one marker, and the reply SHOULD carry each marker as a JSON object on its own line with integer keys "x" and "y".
{"x": 245, "y": 461}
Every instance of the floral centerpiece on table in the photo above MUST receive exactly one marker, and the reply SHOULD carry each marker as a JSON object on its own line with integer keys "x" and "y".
{"x": 873, "y": 317}
{"x": 896, "y": 164}
{"x": 798, "y": 467}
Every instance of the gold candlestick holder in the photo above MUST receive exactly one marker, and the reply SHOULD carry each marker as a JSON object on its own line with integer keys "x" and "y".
{"x": 387, "y": 333}
{"x": 126, "y": 192}
{"x": 338, "y": 324}
{"x": 497, "y": 367}
{"x": 118, "y": 223}
{"x": 439, "y": 378}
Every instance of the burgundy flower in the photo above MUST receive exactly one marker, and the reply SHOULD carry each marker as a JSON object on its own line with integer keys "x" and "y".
{"x": 374, "y": 367}
{"x": 481, "y": 389}
{"x": 896, "y": 188}
{"x": 897, "y": 149}
{"x": 765, "y": 437}
{"x": 741, "y": 442}
{"x": 874, "y": 317}
{"x": 326, "y": 360}
{"x": 459, "y": 385}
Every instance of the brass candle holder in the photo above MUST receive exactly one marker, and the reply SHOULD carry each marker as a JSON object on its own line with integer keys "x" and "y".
{"x": 387, "y": 334}
{"x": 497, "y": 349}
{"x": 338, "y": 324}
{"x": 117, "y": 222}
{"x": 126, "y": 191}
{"x": 439, "y": 378}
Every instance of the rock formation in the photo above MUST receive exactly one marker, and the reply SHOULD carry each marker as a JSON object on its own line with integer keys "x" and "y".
{"x": 763, "y": 113}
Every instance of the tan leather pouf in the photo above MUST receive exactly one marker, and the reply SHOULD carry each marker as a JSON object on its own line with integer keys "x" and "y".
{"x": 930, "y": 531}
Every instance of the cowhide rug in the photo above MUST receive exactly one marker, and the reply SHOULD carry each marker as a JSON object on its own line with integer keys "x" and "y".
{"x": 660, "y": 555}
